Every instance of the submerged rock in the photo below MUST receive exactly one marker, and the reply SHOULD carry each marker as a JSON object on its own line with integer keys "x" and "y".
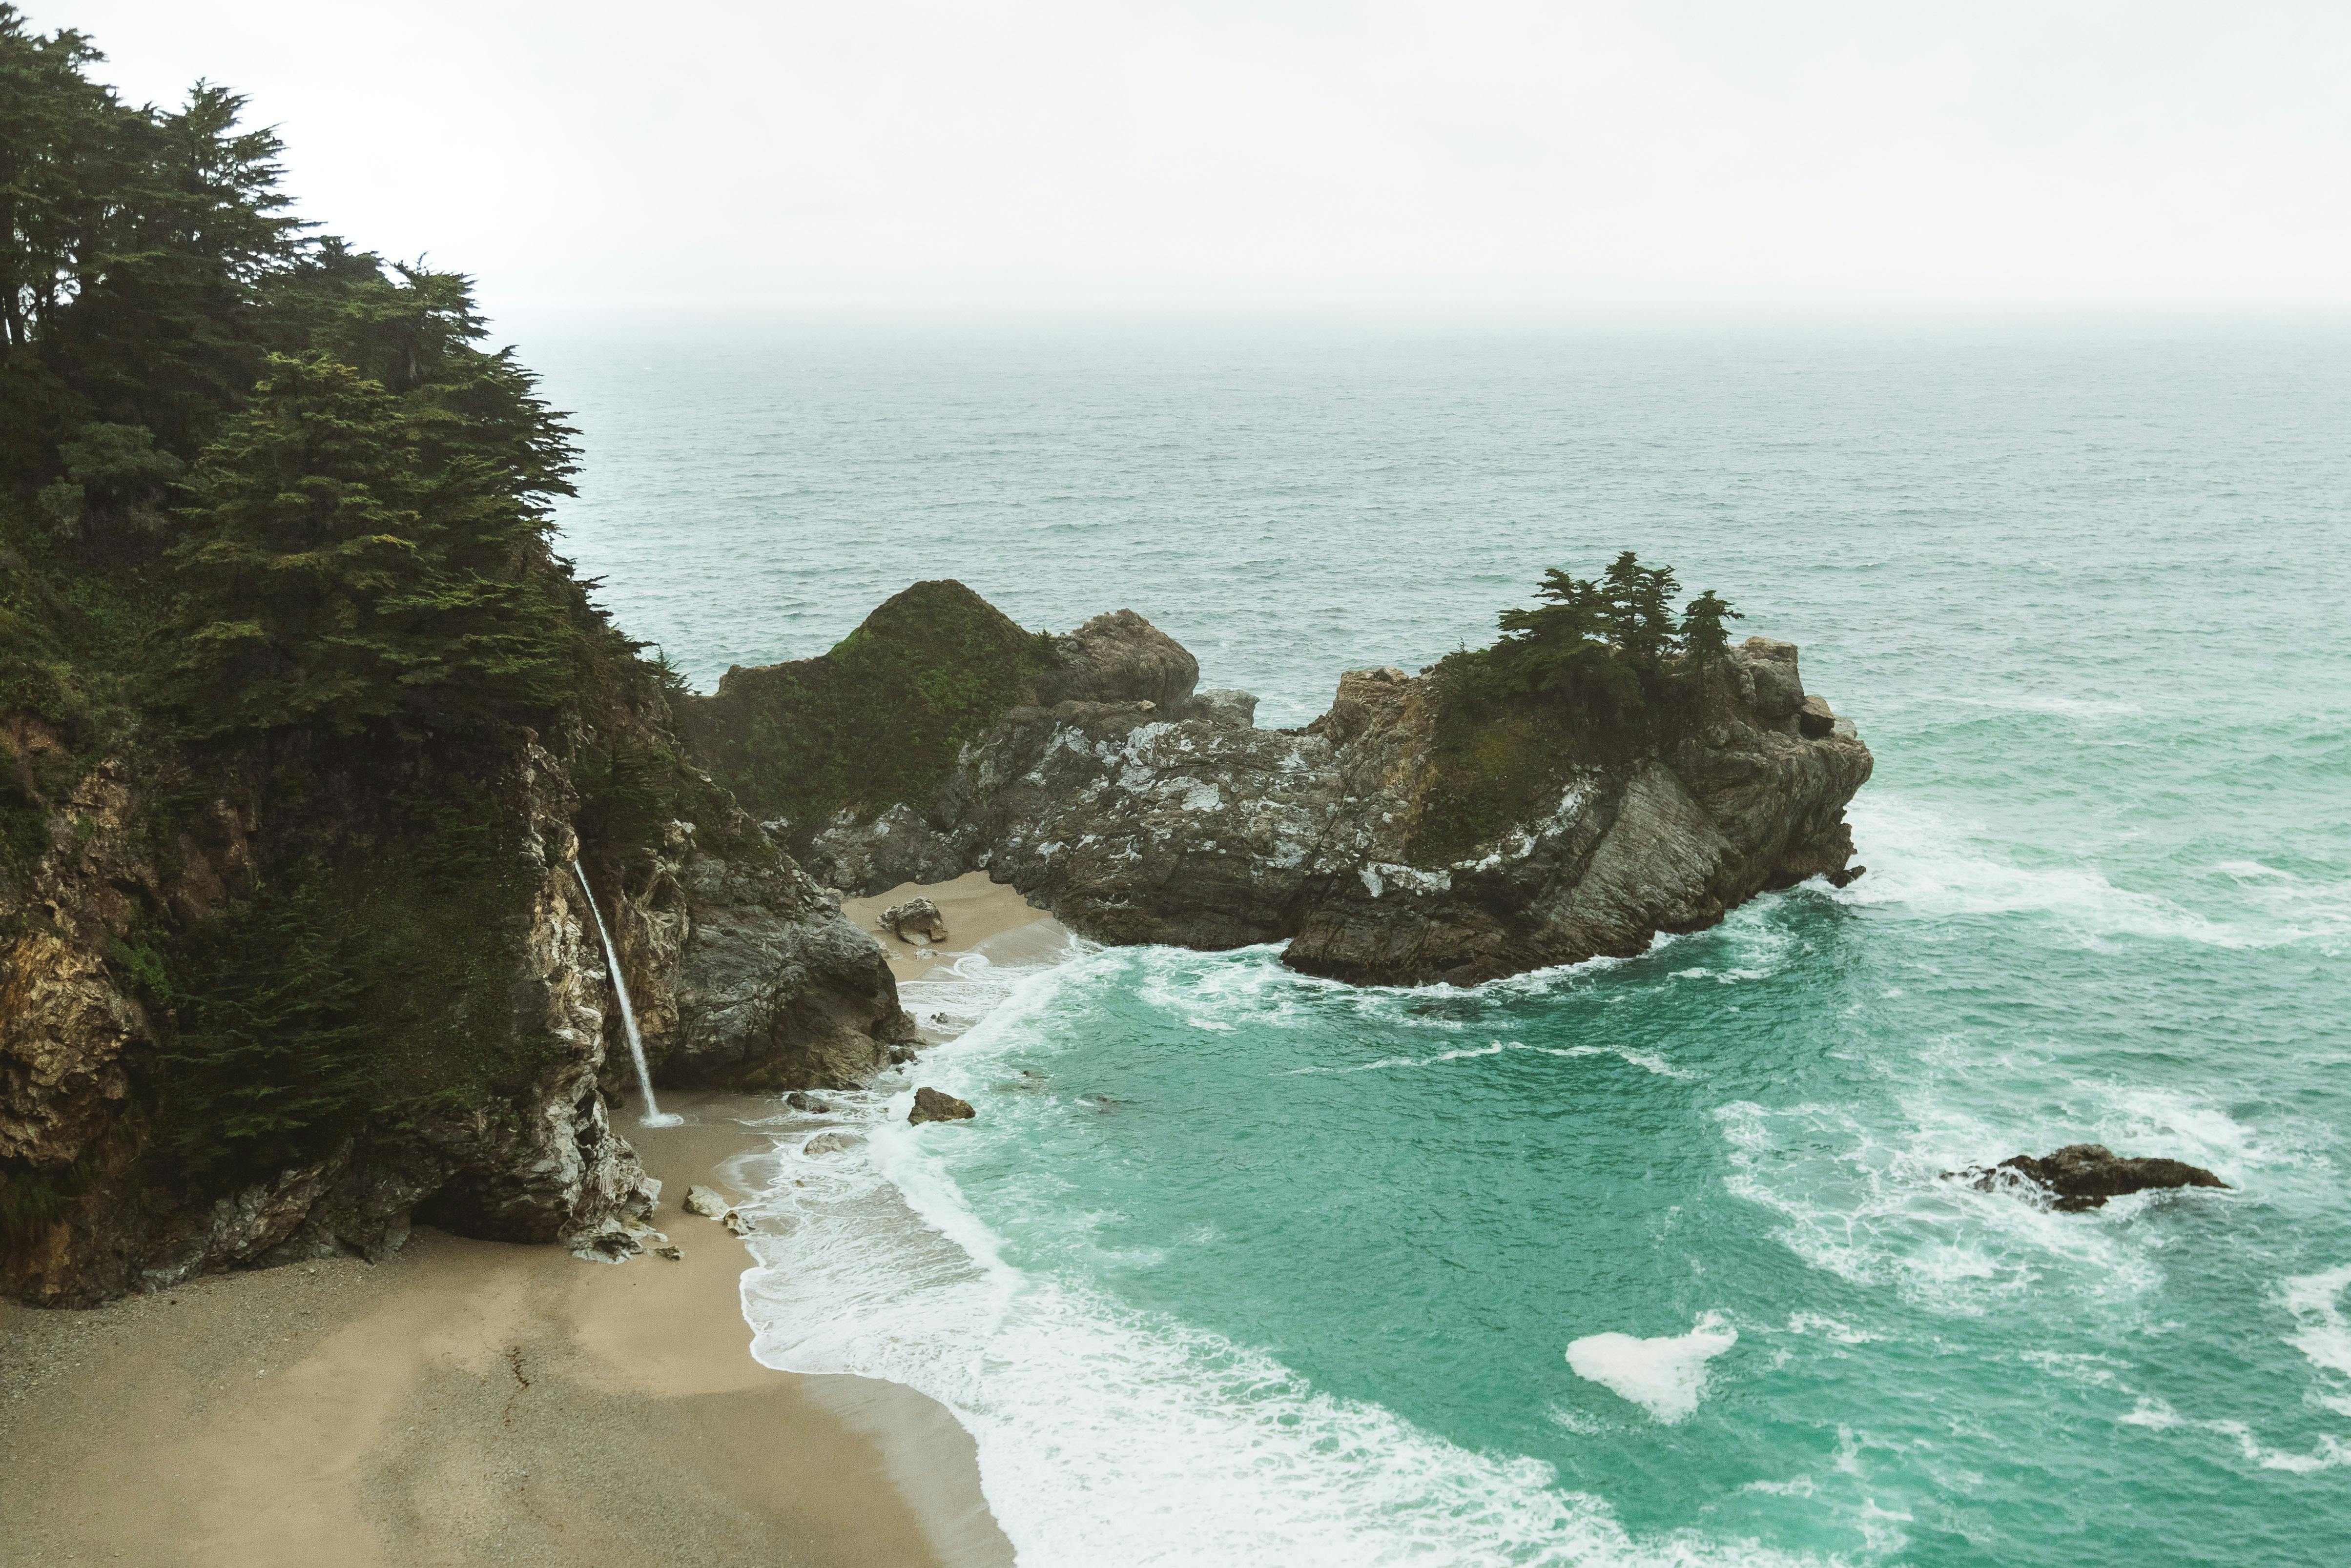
{"x": 915, "y": 920}
{"x": 2083, "y": 1176}
{"x": 800, "y": 1101}
{"x": 933, "y": 1106}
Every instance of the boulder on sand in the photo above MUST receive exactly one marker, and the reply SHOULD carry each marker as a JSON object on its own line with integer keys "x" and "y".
{"x": 915, "y": 920}
{"x": 702, "y": 1200}
{"x": 931, "y": 1106}
{"x": 2084, "y": 1175}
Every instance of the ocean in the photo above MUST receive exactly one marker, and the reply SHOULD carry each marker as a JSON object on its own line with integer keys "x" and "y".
{"x": 1641, "y": 1262}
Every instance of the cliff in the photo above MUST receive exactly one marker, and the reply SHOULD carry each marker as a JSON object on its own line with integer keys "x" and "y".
{"x": 135, "y": 1152}
{"x": 1406, "y": 836}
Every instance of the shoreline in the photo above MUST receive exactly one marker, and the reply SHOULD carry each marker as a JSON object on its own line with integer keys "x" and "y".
{"x": 492, "y": 1402}
{"x": 469, "y": 1401}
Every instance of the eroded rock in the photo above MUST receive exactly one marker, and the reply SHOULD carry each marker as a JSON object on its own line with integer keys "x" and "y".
{"x": 915, "y": 920}
{"x": 1134, "y": 827}
{"x": 704, "y": 1201}
{"x": 936, "y": 1106}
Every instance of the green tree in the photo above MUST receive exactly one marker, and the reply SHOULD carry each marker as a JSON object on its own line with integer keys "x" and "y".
{"x": 1704, "y": 634}
{"x": 350, "y": 562}
{"x": 1639, "y": 613}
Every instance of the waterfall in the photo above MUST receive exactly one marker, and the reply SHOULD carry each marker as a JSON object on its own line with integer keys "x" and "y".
{"x": 653, "y": 1116}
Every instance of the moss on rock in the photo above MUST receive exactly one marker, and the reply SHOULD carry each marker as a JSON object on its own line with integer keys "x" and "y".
{"x": 877, "y": 721}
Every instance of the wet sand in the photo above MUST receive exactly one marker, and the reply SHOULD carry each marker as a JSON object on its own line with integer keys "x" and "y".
{"x": 472, "y": 1402}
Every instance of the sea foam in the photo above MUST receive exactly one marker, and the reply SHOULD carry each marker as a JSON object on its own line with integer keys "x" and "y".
{"x": 1666, "y": 1375}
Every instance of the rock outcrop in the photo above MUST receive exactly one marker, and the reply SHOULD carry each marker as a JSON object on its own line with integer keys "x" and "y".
{"x": 1203, "y": 831}
{"x": 937, "y": 1105}
{"x": 1139, "y": 811}
{"x": 2083, "y": 1176}
{"x": 747, "y": 974}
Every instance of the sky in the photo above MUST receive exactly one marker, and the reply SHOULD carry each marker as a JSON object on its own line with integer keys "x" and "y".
{"x": 1027, "y": 154}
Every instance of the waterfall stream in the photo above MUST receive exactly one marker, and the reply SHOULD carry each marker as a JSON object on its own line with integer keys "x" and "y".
{"x": 653, "y": 1116}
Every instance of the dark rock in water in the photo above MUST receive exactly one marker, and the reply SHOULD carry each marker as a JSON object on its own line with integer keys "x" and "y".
{"x": 800, "y": 1101}
{"x": 2084, "y": 1175}
{"x": 915, "y": 920}
{"x": 932, "y": 1106}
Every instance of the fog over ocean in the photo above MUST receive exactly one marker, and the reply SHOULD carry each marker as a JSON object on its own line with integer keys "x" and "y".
{"x": 1273, "y": 1270}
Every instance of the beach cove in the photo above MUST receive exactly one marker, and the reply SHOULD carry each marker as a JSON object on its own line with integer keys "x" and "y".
{"x": 469, "y": 1401}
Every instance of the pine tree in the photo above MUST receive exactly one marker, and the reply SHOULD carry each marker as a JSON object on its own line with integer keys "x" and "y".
{"x": 1704, "y": 636}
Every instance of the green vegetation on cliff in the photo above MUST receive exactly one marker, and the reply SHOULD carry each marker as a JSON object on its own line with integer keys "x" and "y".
{"x": 877, "y": 721}
{"x": 274, "y": 537}
{"x": 1601, "y": 669}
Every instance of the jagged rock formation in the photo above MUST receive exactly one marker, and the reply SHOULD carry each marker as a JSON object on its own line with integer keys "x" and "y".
{"x": 915, "y": 920}
{"x": 750, "y": 976}
{"x": 2083, "y": 1176}
{"x": 1205, "y": 833}
{"x": 1138, "y": 811}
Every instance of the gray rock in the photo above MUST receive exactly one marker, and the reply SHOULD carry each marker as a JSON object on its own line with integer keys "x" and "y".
{"x": 702, "y": 1200}
{"x": 1771, "y": 668}
{"x": 738, "y": 1226}
{"x": 1233, "y": 710}
{"x": 800, "y": 1101}
{"x": 1815, "y": 719}
{"x": 868, "y": 857}
{"x": 675, "y": 1255}
{"x": 1119, "y": 657}
{"x": 830, "y": 1143}
{"x": 1131, "y": 827}
{"x": 933, "y": 1106}
{"x": 915, "y": 920}
{"x": 771, "y": 987}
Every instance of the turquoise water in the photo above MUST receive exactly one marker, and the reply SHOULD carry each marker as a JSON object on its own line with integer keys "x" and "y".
{"x": 1238, "y": 1266}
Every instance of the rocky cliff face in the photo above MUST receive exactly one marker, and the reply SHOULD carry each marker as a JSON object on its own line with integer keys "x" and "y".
{"x": 750, "y": 972}
{"x": 748, "y": 976}
{"x": 1138, "y": 811}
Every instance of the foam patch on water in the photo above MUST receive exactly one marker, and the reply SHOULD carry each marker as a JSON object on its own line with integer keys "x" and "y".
{"x": 1919, "y": 860}
{"x": 1875, "y": 1210}
{"x": 1647, "y": 1060}
{"x": 2328, "y": 1453}
{"x": 2321, "y": 1333}
{"x": 1665, "y": 1376}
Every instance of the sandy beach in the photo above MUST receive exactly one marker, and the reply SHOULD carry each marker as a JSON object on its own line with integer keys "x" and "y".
{"x": 981, "y": 916}
{"x": 474, "y": 1402}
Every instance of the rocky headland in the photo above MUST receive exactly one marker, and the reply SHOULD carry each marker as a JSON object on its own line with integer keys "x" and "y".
{"x": 1391, "y": 841}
